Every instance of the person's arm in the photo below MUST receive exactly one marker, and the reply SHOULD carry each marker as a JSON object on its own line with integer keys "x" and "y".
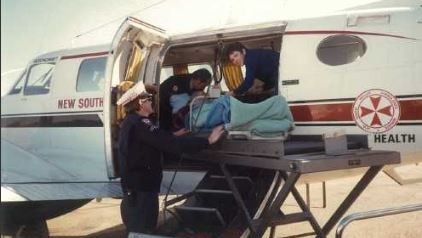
{"x": 126, "y": 132}
{"x": 250, "y": 76}
{"x": 181, "y": 132}
{"x": 169, "y": 143}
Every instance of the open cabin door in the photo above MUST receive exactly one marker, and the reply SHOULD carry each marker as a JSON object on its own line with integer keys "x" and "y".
{"x": 136, "y": 48}
{"x": 196, "y": 48}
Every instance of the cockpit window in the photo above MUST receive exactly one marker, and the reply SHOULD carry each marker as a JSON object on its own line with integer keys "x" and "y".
{"x": 39, "y": 79}
{"x": 17, "y": 88}
{"x": 91, "y": 75}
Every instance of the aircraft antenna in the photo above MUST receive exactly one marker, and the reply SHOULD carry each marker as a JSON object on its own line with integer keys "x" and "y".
{"x": 11, "y": 71}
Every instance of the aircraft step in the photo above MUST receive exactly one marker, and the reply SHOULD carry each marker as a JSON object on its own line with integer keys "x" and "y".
{"x": 222, "y": 200}
{"x": 212, "y": 207}
{"x": 212, "y": 201}
{"x": 219, "y": 182}
{"x": 216, "y": 194}
{"x": 201, "y": 218}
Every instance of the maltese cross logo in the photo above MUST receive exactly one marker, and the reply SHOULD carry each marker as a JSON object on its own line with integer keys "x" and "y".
{"x": 376, "y": 111}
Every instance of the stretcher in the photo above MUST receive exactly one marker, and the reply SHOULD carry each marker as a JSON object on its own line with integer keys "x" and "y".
{"x": 265, "y": 119}
{"x": 291, "y": 159}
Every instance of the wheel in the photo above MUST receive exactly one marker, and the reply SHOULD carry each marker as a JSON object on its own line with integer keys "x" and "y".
{"x": 33, "y": 230}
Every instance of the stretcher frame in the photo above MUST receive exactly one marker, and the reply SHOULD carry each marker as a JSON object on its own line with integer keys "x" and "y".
{"x": 290, "y": 168}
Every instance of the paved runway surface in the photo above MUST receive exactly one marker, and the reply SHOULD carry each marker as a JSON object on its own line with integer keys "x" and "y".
{"x": 102, "y": 219}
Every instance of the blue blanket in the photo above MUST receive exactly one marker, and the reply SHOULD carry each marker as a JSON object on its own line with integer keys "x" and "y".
{"x": 268, "y": 118}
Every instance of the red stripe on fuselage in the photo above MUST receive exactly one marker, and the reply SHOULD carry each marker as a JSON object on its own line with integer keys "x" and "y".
{"x": 334, "y": 112}
{"x": 322, "y": 112}
{"x": 411, "y": 110}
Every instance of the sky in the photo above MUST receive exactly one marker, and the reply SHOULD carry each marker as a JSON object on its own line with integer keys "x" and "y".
{"x": 33, "y": 27}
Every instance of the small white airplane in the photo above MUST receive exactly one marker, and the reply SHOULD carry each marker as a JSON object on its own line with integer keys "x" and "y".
{"x": 358, "y": 71}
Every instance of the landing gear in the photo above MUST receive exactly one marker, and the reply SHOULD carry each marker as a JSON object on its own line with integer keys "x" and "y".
{"x": 32, "y": 230}
{"x": 28, "y": 219}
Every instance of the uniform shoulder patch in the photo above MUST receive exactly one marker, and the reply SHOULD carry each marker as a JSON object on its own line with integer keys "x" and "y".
{"x": 149, "y": 123}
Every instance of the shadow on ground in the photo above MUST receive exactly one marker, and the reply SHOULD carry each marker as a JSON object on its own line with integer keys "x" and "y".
{"x": 112, "y": 232}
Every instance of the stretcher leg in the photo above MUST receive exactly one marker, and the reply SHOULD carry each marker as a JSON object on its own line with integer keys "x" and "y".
{"x": 306, "y": 210}
{"x": 275, "y": 206}
{"x": 351, "y": 198}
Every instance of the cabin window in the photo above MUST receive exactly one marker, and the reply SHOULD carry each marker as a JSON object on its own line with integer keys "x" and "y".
{"x": 91, "y": 75}
{"x": 39, "y": 79}
{"x": 340, "y": 49}
{"x": 166, "y": 72}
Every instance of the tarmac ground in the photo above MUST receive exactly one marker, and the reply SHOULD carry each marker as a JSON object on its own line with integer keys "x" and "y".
{"x": 102, "y": 219}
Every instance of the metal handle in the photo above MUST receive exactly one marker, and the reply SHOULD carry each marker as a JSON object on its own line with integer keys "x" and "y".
{"x": 190, "y": 110}
{"x": 375, "y": 213}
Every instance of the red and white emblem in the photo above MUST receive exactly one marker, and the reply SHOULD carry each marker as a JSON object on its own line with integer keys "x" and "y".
{"x": 376, "y": 111}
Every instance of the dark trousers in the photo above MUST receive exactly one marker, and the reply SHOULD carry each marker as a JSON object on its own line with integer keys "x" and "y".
{"x": 139, "y": 212}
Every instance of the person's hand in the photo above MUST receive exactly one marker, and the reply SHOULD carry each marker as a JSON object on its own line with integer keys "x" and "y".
{"x": 181, "y": 132}
{"x": 215, "y": 134}
{"x": 257, "y": 87}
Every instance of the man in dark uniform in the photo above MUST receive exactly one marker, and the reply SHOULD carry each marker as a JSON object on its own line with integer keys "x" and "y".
{"x": 261, "y": 68}
{"x": 141, "y": 143}
{"x": 179, "y": 84}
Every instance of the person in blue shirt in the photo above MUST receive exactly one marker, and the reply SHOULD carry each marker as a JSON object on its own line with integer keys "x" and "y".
{"x": 176, "y": 85}
{"x": 261, "y": 68}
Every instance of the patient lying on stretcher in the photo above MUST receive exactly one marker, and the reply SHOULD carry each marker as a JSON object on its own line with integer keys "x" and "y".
{"x": 269, "y": 118}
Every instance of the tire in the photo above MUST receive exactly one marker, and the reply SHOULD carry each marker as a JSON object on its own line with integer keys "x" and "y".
{"x": 33, "y": 230}
{"x": 28, "y": 219}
